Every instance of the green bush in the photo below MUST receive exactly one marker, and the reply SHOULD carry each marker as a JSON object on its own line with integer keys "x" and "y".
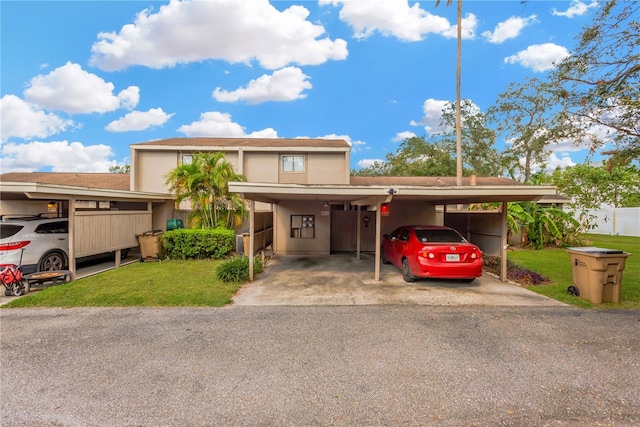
{"x": 237, "y": 269}
{"x": 197, "y": 243}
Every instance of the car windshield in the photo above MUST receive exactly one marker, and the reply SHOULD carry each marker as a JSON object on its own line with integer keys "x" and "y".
{"x": 439, "y": 236}
{"x": 8, "y": 230}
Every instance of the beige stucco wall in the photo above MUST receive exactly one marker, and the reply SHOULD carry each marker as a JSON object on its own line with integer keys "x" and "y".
{"x": 408, "y": 213}
{"x": 284, "y": 244}
{"x": 151, "y": 168}
{"x": 261, "y": 167}
{"x": 328, "y": 168}
{"x": 401, "y": 213}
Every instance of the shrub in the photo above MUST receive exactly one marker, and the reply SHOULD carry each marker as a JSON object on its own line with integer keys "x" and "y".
{"x": 515, "y": 272}
{"x": 197, "y": 243}
{"x": 237, "y": 269}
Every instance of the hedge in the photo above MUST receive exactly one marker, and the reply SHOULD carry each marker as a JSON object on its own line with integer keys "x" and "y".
{"x": 197, "y": 243}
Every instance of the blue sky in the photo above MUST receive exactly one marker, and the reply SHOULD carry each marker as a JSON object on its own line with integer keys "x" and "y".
{"x": 82, "y": 80}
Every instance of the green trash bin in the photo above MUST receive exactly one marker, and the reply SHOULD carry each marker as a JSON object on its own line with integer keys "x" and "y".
{"x": 174, "y": 224}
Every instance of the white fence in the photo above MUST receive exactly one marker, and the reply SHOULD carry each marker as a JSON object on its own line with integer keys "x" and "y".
{"x": 616, "y": 221}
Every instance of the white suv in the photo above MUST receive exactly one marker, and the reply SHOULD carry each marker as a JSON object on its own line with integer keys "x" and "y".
{"x": 35, "y": 242}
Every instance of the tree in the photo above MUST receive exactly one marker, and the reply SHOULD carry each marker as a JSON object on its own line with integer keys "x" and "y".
{"x": 590, "y": 187}
{"x": 415, "y": 157}
{"x": 477, "y": 139}
{"x": 527, "y": 116}
{"x": 204, "y": 182}
{"x": 120, "y": 169}
{"x": 599, "y": 83}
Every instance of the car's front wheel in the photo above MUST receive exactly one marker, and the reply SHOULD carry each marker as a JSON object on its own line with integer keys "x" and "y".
{"x": 406, "y": 271}
{"x": 51, "y": 261}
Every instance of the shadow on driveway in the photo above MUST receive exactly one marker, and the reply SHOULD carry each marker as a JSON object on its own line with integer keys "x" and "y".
{"x": 344, "y": 280}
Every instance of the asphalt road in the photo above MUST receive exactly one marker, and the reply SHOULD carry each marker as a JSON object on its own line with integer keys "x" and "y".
{"x": 329, "y": 365}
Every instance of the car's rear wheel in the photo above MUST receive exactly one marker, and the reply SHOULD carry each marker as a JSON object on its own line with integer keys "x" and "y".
{"x": 51, "y": 261}
{"x": 406, "y": 271}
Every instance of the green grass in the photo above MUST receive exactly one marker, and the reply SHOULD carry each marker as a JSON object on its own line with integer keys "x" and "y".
{"x": 150, "y": 284}
{"x": 555, "y": 264}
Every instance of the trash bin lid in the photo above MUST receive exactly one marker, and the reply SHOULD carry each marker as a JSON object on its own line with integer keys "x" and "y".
{"x": 594, "y": 250}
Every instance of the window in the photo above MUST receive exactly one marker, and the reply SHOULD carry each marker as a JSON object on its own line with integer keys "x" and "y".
{"x": 53, "y": 227}
{"x": 292, "y": 163}
{"x": 187, "y": 159}
{"x": 303, "y": 227}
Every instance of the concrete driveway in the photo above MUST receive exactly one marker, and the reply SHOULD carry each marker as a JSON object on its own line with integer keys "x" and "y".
{"x": 345, "y": 280}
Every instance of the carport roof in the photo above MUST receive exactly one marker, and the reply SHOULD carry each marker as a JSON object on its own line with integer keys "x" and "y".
{"x": 371, "y": 190}
{"x": 49, "y": 184}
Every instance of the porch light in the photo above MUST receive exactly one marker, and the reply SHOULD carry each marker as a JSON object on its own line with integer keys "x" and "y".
{"x": 384, "y": 209}
{"x": 52, "y": 207}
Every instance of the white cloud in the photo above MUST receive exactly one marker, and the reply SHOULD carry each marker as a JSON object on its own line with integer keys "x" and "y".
{"x": 129, "y": 97}
{"x": 554, "y": 161}
{"x": 71, "y": 89}
{"x": 539, "y": 57}
{"x": 432, "y": 116}
{"x": 365, "y": 163}
{"x": 401, "y": 136}
{"x": 22, "y": 120}
{"x": 577, "y": 8}
{"x": 356, "y": 145}
{"x": 264, "y": 133}
{"x": 469, "y": 25}
{"x": 236, "y": 31}
{"x": 286, "y": 84}
{"x": 139, "y": 120}
{"x": 508, "y": 29}
{"x": 396, "y": 18}
{"x": 59, "y": 156}
{"x": 217, "y": 124}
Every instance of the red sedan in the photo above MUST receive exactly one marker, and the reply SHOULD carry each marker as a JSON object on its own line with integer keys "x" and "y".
{"x": 432, "y": 251}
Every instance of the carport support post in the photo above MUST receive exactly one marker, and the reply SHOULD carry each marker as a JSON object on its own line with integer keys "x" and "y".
{"x": 358, "y": 233}
{"x": 504, "y": 244}
{"x": 72, "y": 236}
{"x": 378, "y": 228}
{"x": 252, "y": 208}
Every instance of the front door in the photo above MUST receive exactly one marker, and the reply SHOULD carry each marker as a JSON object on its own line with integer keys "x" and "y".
{"x": 344, "y": 231}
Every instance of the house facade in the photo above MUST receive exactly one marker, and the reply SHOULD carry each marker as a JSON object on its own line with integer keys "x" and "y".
{"x": 301, "y": 197}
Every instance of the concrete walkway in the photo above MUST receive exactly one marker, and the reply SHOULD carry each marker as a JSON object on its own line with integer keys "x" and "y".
{"x": 345, "y": 280}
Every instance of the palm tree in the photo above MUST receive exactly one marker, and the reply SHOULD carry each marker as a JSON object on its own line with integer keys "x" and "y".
{"x": 458, "y": 73}
{"x": 204, "y": 182}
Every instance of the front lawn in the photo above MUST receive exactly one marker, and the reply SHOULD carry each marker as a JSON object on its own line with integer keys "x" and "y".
{"x": 555, "y": 264}
{"x": 172, "y": 283}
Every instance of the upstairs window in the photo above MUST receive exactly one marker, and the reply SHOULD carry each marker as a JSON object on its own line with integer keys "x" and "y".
{"x": 292, "y": 163}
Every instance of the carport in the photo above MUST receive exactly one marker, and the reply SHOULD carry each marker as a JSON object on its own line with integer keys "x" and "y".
{"x": 488, "y": 229}
{"x": 104, "y": 216}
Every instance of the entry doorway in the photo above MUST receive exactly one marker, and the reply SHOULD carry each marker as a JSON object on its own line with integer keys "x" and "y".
{"x": 344, "y": 230}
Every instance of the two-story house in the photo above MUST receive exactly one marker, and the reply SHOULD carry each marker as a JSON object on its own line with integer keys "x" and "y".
{"x": 301, "y": 198}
